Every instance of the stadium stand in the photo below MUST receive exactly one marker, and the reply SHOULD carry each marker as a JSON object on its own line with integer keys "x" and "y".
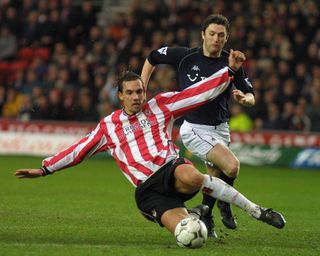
{"x": 68, "y": 54}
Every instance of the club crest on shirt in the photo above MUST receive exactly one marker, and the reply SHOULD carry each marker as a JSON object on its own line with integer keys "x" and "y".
{"x": 147, "y": 112}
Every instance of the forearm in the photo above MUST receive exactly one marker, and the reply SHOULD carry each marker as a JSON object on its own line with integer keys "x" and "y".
{"x": 94, "y": 142}
{"x": 249, "y": 100}
{"x": 146, "y": 72}
{"x": 89, "y": 145}
{"x": 60, "y": 161}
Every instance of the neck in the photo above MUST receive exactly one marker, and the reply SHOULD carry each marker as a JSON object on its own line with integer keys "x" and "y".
{"x": 128, "y": 113}
{"x": 211, "y": 54}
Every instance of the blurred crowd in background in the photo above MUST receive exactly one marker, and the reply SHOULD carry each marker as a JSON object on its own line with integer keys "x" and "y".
{"x": 57, "y": 63}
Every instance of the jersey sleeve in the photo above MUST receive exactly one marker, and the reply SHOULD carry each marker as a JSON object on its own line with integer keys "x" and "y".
{"x": 93, "y": 143}
{"x": 242, "y": 82}
{"x": 179, "y": 103}
{"x": 168, "y": 55}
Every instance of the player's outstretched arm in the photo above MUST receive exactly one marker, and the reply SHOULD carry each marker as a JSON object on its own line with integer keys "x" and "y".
{"x": 146, "y": 72}
{"x": 28, "y": 173}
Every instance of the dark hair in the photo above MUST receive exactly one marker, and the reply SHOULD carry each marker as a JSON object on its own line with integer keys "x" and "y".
{"x": 127, "y": 76}
{"x": 216, "y": 19}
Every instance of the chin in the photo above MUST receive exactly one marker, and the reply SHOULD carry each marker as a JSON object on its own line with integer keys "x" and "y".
{"x": 136, "y": 110}
{"x": 215, "y": 51}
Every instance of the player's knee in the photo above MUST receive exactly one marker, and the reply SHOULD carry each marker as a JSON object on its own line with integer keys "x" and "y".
{"x": 196, "y": 179}
{"x": 234, "y": 168}
{"x": 188, "y": 179}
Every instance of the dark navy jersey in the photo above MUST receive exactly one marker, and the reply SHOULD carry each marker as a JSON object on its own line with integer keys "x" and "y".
{"x": 192, "y": 66}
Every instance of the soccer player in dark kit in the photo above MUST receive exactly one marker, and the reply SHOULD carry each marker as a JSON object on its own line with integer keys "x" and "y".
{"x": 205, "y": 131}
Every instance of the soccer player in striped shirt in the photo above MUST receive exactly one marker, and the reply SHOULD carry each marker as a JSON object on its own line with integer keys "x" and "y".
{"x": 139, "y": 138}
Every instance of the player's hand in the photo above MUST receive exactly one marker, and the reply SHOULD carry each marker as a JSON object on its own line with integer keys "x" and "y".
{"x": 28, "y": 173}
{"x": 236, "y": 59}
{"x": 239, "y": 96}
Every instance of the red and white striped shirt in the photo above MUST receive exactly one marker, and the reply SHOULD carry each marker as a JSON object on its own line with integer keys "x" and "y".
{"x": 141, "y": 143}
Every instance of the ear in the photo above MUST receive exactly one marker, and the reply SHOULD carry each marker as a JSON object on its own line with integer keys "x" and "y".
{"x": 202, "y": 35}
{"x": 120, "y": 95}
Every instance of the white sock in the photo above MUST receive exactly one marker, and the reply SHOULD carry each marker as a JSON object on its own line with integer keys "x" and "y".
{"x": 220, "y": 190}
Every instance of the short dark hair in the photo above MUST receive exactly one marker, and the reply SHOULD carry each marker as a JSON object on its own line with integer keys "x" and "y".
{"x": 216, "y": 19}
{"x": 127, "y": 76}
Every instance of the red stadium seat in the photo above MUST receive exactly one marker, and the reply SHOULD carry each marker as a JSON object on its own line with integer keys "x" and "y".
{"x": 18, "y": 65}
{"x": 26, "y": 53}
{"x": 44, "y": 53}
{"x": 4, "y": 67}
{"x": 4, "y": 71}
{"x": 13, "y": 68}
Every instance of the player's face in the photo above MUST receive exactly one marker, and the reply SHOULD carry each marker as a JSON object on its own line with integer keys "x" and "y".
{"x": 214, "y": 38}
{"x": 132, "y": 96}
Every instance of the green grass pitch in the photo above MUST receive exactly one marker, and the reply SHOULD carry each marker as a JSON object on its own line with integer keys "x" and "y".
{"x": 90, "y": 210}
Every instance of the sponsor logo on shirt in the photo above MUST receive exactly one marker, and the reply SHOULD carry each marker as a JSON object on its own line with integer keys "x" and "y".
{"x": 194, "y": 77}
{"x": 129, "y": 130}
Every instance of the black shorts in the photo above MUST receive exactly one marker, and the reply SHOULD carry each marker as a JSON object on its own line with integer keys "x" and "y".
{"x": 158, "y": 194}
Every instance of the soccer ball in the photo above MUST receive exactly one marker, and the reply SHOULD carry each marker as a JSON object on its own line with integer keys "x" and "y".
{"x": 191, "y": 233}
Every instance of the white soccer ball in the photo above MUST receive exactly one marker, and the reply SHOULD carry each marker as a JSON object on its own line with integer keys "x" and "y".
{"x": 191, "y": 233}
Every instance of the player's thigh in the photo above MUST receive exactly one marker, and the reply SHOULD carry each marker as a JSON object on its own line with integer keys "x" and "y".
{"x": 198, "y": 144}
{"x": 172, "y": 217}
{"x": 153, "y": 205}
{"x": 223, "y": 158}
